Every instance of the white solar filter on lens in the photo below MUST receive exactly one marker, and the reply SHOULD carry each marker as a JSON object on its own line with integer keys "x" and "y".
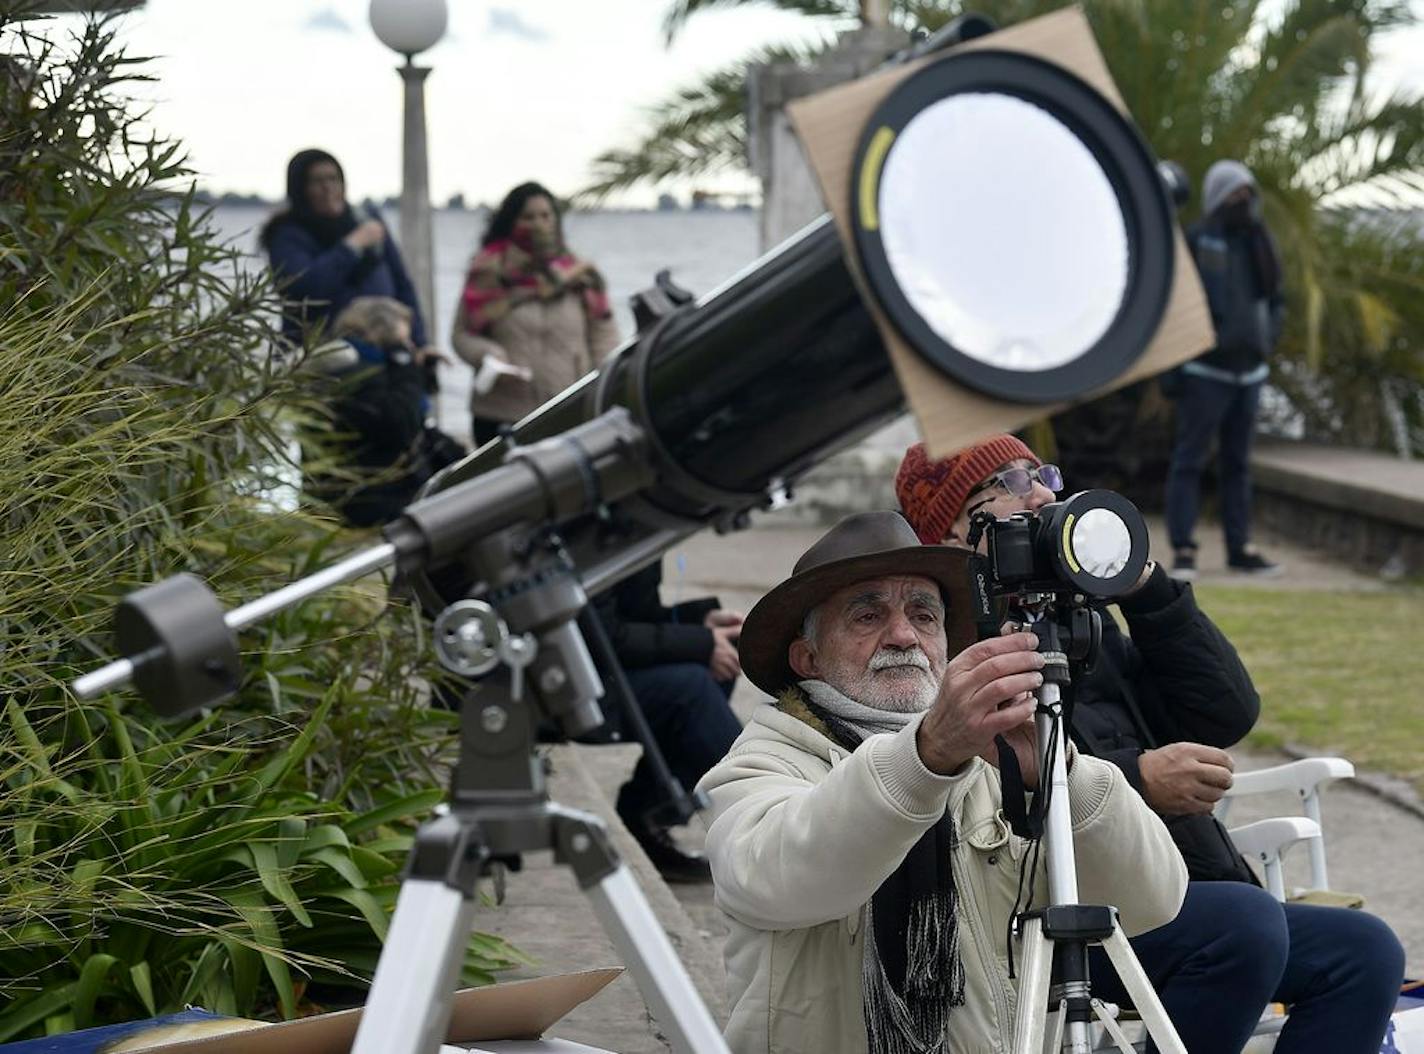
{"x": 1003, "y": 231}
{"x": 1102, "y": 543}
{"x": 1012, "y": 226}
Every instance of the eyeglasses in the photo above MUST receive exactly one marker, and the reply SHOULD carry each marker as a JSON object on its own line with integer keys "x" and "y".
{"x": 1019, "y": 481}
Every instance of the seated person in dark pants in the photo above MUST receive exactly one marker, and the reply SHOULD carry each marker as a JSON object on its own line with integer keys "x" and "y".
{"x": 681, "y": 663}
{"x": 1161, "y": 705}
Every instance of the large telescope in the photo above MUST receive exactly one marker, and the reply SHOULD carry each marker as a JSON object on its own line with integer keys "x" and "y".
{"x": 1014, "y": 234}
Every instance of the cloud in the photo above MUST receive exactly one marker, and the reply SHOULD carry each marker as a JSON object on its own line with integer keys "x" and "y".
{"x": 507, "y": 20}
{"x": 327, "y": 19}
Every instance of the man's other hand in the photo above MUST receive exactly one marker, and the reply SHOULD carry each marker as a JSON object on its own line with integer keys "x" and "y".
{"x": 725, "y": 663}
{"x": 1185, "y": 778}
{"x": 987, "y": 689}
{"x": 722, "y": 617}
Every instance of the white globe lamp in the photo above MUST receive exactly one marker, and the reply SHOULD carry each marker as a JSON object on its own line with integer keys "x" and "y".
{"x": 409, "y": 26}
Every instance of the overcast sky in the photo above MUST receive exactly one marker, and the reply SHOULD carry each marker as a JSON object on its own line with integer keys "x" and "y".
{"x": 521, "y": 89}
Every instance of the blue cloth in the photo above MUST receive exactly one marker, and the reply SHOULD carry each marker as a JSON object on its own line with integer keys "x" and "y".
{"x": 692, "y": 722}
{"x": 1234, "y": 948}
{"x": 1210, "y": 409}
{"x": 94, "y": 1040}
{"x": 327, "y": 279}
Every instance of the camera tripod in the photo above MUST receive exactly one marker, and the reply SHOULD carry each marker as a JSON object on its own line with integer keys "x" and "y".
{"x": 1056, "y": 938}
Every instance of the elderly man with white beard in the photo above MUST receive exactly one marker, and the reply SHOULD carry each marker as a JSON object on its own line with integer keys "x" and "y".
{"x": 857, "y": 843}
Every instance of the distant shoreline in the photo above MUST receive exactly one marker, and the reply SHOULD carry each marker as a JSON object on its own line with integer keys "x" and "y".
{"x": 253, "y": 201}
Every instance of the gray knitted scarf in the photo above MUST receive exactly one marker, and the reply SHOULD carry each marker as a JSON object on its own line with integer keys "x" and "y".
{"x": 911, "y": 970}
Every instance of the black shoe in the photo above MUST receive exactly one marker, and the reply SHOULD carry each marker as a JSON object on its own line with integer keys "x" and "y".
{"x": 1250, "y": 562}
{"x": 673, "y": 862}
{"x": 1184, "y": 563}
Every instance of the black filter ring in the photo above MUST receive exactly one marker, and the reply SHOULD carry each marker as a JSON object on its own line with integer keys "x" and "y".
{"x": 1126, "y": 161}
{"x": 1068, "y": 511}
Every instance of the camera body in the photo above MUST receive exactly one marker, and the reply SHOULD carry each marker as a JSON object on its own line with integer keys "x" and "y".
{"x": 1055, "y": 567}
{"x": 1091, "y": 545}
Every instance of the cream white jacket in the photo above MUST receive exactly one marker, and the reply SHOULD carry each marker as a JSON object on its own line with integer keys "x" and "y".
{"x": 803, "y": 833}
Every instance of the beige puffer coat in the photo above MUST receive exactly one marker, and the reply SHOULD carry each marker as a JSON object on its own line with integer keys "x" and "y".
{"x": 555, "y": 339}
{"x": 803, "y": 833}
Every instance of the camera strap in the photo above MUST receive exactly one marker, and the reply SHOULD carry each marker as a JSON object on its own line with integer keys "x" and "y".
{"x": 1025, "y": 820}
{"x": 986, "y": 619}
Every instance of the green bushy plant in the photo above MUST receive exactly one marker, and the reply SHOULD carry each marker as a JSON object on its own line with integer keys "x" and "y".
{"x": 232, "y": 859}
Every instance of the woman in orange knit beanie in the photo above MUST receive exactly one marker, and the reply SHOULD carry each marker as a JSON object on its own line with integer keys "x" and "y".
{"x": 934, "y": 495}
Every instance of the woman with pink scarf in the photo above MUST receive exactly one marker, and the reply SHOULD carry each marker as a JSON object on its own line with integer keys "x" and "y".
{"x": 532, "y": 318}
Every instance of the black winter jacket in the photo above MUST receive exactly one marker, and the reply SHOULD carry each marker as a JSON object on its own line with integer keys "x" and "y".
{"x": 1246, "y": 315}
{"x": 646, "y": 632}
{"x": 1176, "y": 679}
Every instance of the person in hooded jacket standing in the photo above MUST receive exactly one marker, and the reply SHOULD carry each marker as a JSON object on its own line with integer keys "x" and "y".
{"x": 1217, "y": 395}
{"x": 324, "y": 256}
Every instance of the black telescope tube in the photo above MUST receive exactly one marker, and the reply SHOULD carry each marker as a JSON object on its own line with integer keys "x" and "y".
{"x": 758, "y": 382}
{"x": 754, "y": 385}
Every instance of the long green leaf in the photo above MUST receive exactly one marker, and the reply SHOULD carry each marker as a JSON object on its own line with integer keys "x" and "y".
{"x": 141, "y": 976}
{"x": 20, "y": 1017}
{"x": 417, "y": 804}
{"x": 91, "y": 982}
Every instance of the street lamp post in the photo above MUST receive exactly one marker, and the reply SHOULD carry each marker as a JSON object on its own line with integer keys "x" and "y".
{"x": 410, "y": 27}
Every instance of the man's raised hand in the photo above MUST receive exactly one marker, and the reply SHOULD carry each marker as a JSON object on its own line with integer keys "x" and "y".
{"x": 987, "y": 689}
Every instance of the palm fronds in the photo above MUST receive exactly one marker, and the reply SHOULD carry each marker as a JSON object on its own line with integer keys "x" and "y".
{"x": 1286, "y": 88}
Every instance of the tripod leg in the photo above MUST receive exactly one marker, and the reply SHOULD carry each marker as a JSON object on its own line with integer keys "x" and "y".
{"x": 408, "y": 1011}
{"x": 581, "y": 841}
{"x": 1112, "y": 1028}
{"x": 1034, "y": 975}
{"x": 1144, "y": 997}
{"x": 1060, "y": 1020}
{"x": 644, "y": 947}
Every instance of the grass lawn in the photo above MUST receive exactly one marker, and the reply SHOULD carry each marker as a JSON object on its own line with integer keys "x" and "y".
{"x": 1341, "y": 672}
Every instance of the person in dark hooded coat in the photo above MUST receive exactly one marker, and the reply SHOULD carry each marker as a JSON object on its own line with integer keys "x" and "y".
{"x": 1217, "y": 395}
{"x": 324, "y": 256}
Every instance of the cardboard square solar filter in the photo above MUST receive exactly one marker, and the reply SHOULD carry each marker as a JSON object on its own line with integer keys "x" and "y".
{"x": 1038, "y": 205}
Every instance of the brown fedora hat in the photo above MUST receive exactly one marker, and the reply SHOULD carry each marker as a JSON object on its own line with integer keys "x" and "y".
{"x": 867, "y": 545}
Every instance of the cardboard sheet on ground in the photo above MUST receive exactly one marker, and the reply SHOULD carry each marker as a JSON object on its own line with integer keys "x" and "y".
{"x": 952, "y": 416}
{"x": 515, "y": 1010}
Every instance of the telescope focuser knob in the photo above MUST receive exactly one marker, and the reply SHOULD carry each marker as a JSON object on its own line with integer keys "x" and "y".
{"x": 656, "y": 303}
{"x": 468, "y": 637}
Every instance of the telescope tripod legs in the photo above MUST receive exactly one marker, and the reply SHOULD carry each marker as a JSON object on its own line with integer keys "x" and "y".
{"x": 1063, "y": 933}
{"x": 408, "y": 1011}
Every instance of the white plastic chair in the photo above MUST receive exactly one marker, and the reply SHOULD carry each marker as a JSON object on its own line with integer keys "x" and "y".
{"x": 1267, "y": 840}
